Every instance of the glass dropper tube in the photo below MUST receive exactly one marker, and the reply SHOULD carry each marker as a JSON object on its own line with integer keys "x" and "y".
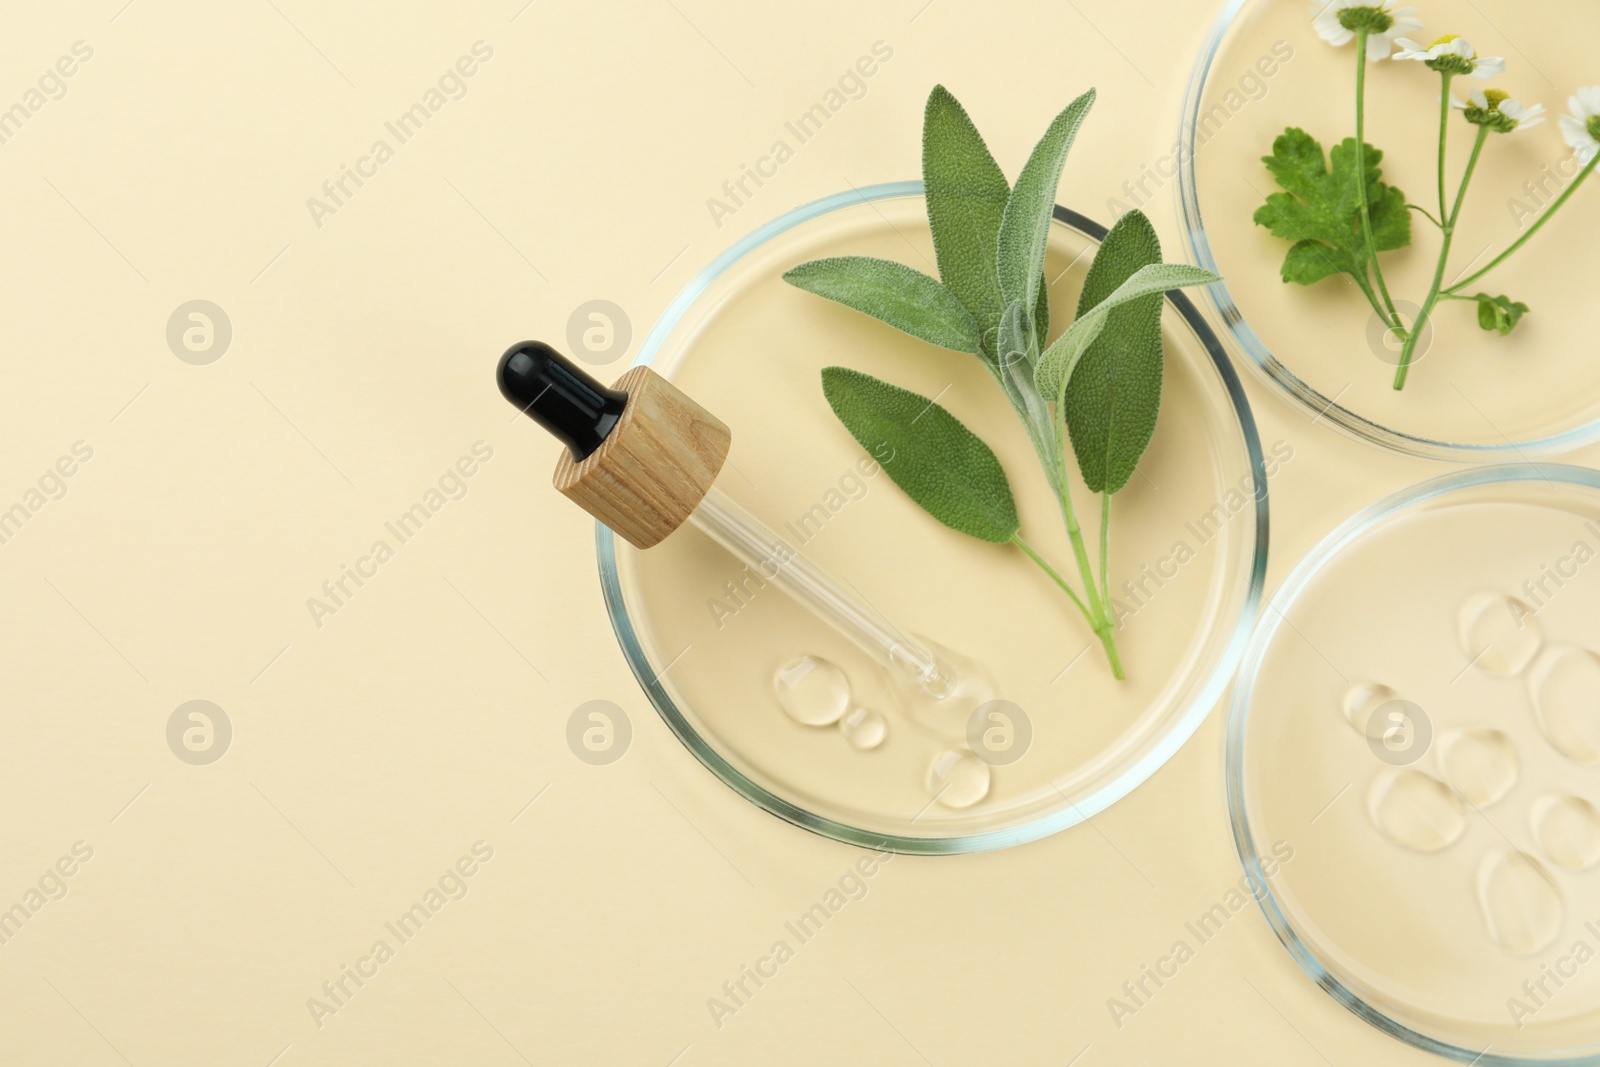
{"x": 772, "y": 558}
{"x": 644, "y": 462}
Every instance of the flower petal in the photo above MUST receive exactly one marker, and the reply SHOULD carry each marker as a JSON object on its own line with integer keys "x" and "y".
{"x": 1575, "y": 132}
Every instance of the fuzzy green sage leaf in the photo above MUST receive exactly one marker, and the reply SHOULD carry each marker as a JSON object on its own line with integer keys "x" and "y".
{"x": 966, "y": 194}
{"x": 1057, "y": 362}
{"x": 893, "y": 293}
{"x": 940, "y": 464}
{"x": 1114, "y": 395}
{"x": 1025, "y": 226}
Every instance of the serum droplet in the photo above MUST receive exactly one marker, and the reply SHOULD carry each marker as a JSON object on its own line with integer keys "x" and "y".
{"x": 1568, "y": 831}
{"x": 864, "y": 728}
{"x": 1565, "y": 686}
{"x": 958, "y": 779}
{"x": 1481, "y": 765}
{"x": 1362, "y": 700}
{"x": 812, "y": 691}
{"x": 1415, "y": 810}
{"x": 1521, "y": 904}
{"x": 1498, "y": 633}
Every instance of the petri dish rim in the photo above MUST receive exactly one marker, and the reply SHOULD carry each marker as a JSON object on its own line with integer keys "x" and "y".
{"x": 1131, "y": 777}
{"x": 1351, "y": 530}
{"x": 1266, "y": 365}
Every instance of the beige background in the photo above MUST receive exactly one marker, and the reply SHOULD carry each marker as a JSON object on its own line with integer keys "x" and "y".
{"x": 371, "y": 753}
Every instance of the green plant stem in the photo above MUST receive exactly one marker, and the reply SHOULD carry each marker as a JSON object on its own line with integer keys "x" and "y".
{"x": 1101, "y": 627}
{"x": 1425, "y": 213}
{"x": 1081, "y": 552}
{"x": 1361, "y": 179}
{"x": 1105, "y": 552}
{"x": 1444, "y": 133}
{"x": 1372, "y": 298}
{"x": 1109, "y": 643}
{"x": 1432, "y": 298}
{"x": 1566, "y": 193}
{"x": 1017, "y": 540}
{"x": 1099, "y": 619}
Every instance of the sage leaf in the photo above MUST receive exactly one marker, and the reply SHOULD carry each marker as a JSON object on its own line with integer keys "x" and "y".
{"x": 1025, "y": 225}
{"x": 1058, "y": 361}
{"x": 940, "y": 464}
{"x": 1114, "y": 395}
{"x": 1499, "y": 314}
{"x": 1041, "y": 314}
{"x": 894, "y": 293}
{"x": 966, "y": 194}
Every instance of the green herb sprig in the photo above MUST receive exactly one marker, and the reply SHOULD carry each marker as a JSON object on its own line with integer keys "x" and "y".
{"x": 1097, "y": 386}
{"x": 1340, "y": 218}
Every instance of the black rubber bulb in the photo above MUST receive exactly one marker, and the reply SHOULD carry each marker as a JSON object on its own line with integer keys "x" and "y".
{"x": 557, "y": 394}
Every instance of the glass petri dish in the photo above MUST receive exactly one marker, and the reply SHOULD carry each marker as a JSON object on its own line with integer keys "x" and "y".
{"x": 1472, "y": 396}
{"x": 1413, "y": 765}
{"x": 706, "y": 641}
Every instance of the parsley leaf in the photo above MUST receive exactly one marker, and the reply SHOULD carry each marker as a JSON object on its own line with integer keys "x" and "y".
{"x": 1320, "y": 208}
{"x": 1499, "y": 313}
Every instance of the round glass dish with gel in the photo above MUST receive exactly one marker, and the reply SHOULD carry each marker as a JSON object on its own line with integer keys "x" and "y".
{"x": 800, "y": 720}
{"x": 1414, "y": 765}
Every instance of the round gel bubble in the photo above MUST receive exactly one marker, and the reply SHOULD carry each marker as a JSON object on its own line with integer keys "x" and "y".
{"x": 1481, "y": 765}
{"x": 1521, "y": 904}
{"x": 864, "y": 728}
{"x": 958, "y": 779}
{"x": 1364, "y": 698}
{"x": 1565, "y": 687}
{"x": 812, "y": 691}
{"x": 1415, "y": 810}
{"x": 1498, "y": 633}
{"x": 1568, "y": 831}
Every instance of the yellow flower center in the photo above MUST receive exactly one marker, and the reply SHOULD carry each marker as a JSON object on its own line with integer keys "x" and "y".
{"x": 1446, "y": 39}
{"x": 1496, "y": 97}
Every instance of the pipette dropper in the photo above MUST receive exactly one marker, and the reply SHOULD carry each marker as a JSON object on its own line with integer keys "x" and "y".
{"x": 642, "y": 458}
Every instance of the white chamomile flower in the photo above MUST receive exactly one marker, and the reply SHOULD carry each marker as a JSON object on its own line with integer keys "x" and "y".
{"x": 1451, "y": 55}
{"x": 1495, "y": 109}
{"x": 1336, "y": 21}
{"x": 1582, "y": 128}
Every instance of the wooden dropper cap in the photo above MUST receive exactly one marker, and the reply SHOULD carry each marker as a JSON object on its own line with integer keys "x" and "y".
{"x": 640, "y": 456}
